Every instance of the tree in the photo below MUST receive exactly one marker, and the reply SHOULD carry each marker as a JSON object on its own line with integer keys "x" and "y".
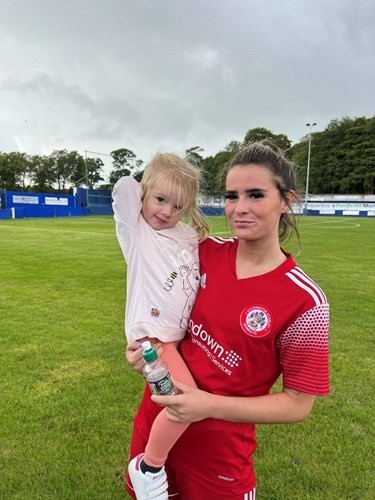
{"x": 14, "y": 171}
{"x": 217, "y": 167}
{"x": 123, "y": 163}
{"x": 138, "y": 171}
{"x": 7, "y": 179}
{"x": 342, "y": 157}
{"x": 260, "y": 133}
{"x": 42, "y": 174}
{"x": 68, "y": 167}
{"x": 193, "y": 155}
{"x": 233, "y": 147}
{"x": 94, "y": 168}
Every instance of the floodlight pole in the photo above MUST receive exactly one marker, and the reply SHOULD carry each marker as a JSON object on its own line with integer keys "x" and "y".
{"x": 310, "y": 125}
{"x": 86, "y": 170}
{"x": 87, "y": 180}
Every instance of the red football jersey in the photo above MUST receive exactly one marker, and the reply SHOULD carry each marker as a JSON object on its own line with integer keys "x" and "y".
{"x": 242, "y": 335}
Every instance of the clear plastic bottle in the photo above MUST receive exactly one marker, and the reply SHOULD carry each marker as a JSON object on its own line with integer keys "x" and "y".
{"x": 156, "y": 372}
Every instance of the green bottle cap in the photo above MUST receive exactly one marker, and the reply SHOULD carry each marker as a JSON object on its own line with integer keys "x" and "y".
{"x": 149, "y": 353}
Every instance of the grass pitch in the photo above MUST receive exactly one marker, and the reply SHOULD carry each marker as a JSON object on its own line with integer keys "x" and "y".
{"x": 68, "y": 396}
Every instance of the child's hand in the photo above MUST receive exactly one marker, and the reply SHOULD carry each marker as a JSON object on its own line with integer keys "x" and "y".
{"x": 134, "y": 354}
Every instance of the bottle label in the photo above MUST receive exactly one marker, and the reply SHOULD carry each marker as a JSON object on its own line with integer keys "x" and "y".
{"x": 162, "y": 387}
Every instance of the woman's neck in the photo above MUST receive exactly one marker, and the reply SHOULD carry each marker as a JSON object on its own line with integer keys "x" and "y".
{"x": 255, "y": 260}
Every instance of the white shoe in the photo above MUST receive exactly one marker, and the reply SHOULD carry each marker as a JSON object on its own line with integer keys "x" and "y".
{"x": 148, "y": 485}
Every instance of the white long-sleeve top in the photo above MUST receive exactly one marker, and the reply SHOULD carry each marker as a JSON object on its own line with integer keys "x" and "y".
{"x": 162, "y": 269}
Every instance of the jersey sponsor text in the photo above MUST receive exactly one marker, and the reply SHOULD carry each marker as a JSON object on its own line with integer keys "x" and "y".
{"x": 220, "y": 357}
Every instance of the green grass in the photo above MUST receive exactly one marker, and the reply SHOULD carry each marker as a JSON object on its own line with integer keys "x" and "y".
{"x": 68, "y": 397}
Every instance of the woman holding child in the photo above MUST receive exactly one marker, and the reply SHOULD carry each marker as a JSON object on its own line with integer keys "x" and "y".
{"x": 257, "y": 316}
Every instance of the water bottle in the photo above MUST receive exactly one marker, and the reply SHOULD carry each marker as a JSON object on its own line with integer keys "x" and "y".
{"x": 156, "y": 372}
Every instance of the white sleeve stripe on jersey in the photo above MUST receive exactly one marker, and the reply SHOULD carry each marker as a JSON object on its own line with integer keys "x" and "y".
{"x": 298, "y": 282}
{"x": 298, "y": 272}
{"x": 250, "y": 495}
{"x": 221, "y": 240}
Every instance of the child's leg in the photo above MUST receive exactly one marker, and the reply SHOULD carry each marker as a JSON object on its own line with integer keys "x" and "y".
{"x": 165, "y": 433}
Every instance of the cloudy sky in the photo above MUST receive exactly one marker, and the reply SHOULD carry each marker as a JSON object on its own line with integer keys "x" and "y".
{"x": 153, "y": 75}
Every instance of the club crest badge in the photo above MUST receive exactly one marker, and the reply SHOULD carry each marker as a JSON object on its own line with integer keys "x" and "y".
{"x": 256, "y": 321}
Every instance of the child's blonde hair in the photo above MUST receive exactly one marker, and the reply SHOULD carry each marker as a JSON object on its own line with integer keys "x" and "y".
{"x": 176, "y": 176}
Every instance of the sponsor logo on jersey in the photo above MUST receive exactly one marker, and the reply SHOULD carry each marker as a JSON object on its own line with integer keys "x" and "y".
{"x": 225, "y": 360}
{"x": 155, "y": 311}
{"x": 256, "y": 321}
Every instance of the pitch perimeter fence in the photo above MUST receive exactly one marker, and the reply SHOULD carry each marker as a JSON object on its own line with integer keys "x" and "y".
{"x": 99, "y": 202}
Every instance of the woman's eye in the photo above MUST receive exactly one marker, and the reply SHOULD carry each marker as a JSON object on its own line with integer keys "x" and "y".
{"x": 256, "y": 194}
{"x": 230, "y": 196}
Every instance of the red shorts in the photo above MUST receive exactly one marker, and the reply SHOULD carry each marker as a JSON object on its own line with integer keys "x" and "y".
{"x": 181, "y": 486}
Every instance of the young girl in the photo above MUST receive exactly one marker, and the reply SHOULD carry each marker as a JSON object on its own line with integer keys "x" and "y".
{"x": 162, "y": 282}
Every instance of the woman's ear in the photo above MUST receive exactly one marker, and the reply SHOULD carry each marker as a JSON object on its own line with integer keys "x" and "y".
{"x": 289, "y": 199}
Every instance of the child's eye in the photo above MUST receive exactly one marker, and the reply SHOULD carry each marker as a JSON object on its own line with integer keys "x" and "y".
{"x": 160, "y": 199}
{"x": 178, "y": 208}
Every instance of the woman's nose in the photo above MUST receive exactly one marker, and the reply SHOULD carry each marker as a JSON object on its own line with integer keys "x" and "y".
{"x": 242, "y": 206}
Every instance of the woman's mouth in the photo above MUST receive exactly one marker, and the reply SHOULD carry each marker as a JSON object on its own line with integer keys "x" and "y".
{"x": 243, "y": 223}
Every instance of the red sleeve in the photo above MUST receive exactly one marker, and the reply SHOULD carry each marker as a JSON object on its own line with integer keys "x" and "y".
{"x": 304, "y": 355}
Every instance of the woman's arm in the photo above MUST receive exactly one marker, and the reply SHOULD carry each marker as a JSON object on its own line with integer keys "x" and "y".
{"x": 286, "y": 407}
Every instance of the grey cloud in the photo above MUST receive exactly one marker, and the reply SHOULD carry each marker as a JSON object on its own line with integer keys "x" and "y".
{"x": 171, "y": 74}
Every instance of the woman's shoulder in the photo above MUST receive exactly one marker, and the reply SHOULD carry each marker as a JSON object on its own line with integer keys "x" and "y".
{"x": 304, "y": 284}
{"x": 216, "y": 245}
{"x": 217, "y": 242}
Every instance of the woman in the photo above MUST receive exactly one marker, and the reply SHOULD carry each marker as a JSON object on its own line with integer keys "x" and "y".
{"x": 257, "y": 316}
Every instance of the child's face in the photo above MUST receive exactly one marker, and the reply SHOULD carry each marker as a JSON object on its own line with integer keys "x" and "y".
{"x": 161, "y": 211}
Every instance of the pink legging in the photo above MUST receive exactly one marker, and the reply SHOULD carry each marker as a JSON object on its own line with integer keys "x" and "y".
{"x": 165, "y": 433}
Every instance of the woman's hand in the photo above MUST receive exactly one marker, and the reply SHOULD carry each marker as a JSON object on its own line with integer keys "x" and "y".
{"x": 191, "y": 405}
{"x": 134, "y": 353}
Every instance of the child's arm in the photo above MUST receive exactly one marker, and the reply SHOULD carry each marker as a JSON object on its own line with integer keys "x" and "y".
{"x": 127, "y": 204}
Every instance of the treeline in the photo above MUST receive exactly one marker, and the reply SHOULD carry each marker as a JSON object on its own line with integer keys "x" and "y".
{"x": 62, "y": 170}
{"x": 342, "y": 162}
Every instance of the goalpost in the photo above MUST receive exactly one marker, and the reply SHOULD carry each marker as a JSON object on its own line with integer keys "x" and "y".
{"x": 99, "y": 201}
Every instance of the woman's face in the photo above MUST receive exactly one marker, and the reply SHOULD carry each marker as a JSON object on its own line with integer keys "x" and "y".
{"x": 253, "y": 203}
